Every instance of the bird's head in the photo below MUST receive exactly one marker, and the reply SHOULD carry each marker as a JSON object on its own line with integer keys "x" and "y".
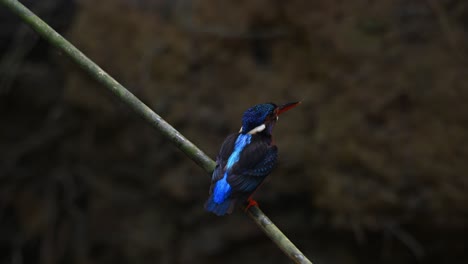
{"x": 262, "y": 117}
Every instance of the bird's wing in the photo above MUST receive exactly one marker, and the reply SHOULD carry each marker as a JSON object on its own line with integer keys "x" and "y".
{"x": 257, "y": 161}
{"x": 221, "y": 159}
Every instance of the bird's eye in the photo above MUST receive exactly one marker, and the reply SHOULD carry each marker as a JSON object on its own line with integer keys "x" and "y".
{"x": 271, "y": 117}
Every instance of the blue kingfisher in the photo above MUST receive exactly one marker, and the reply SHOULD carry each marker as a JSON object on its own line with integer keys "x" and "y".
{"x": 245, "y": 159}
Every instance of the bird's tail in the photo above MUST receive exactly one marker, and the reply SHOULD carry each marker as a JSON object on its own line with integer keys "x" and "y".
{"x": 220, "y": 209}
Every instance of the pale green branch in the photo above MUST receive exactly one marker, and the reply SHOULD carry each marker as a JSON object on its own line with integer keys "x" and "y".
{"x": 192, "y": 151}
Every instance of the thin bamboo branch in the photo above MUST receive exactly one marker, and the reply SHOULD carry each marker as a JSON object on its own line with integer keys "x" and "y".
{"x": 192, "y": 151}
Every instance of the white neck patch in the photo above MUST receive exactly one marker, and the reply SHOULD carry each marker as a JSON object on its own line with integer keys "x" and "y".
{"x": 260, "y": 128}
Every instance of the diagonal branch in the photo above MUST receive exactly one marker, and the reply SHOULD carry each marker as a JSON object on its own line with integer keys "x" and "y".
{"x": 192, "y": 151}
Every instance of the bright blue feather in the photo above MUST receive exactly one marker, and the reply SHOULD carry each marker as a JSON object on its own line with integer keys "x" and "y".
{"x": 223, "y": 189}
{"x": 242, "y": 141}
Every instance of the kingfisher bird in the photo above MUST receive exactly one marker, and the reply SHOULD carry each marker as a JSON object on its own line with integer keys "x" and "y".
{"x": 246, "y": 158}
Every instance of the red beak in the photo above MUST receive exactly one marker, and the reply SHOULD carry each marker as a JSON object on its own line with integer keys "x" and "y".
{"x": 286, "y": 107}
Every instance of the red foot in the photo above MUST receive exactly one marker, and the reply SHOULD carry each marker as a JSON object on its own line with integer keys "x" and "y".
{"x": 251, "y": 202}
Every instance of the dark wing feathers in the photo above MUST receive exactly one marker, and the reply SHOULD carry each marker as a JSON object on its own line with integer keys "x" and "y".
{"x": 253, "y": 154}
{"x": 221, "y": 159}
{"x": 265, "y": 167}
{"x": 256, "y": 162}
{"x": 228, "y": 147}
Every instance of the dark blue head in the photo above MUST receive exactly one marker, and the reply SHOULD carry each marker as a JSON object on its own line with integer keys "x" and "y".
{"x": 263, "y": 117}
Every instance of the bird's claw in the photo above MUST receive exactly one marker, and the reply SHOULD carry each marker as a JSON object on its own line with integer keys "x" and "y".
{"x": 250, "y": 202}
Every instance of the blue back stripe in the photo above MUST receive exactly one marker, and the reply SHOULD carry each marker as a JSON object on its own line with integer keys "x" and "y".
{"x": 241, "y": 142}
{"x": 222, "y": 188}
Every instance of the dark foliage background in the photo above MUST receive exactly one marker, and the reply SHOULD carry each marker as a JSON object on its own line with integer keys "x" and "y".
{"x": 372, "y": 164}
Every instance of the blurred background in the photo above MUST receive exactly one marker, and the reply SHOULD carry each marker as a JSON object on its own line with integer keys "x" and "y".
{"x": 372, "y": 164}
